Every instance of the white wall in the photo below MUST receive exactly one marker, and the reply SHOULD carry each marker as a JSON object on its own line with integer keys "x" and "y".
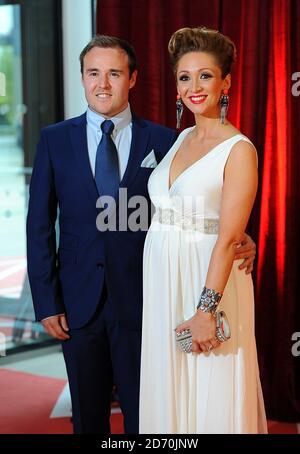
{"x": 77, "y": 32}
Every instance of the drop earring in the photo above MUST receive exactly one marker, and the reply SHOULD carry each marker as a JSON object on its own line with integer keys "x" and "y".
{"x": 224, "y": 103}
{"x": 179, "y": 111}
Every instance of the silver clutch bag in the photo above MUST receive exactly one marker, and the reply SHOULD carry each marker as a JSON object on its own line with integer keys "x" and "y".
{"x": 184, "y": 339}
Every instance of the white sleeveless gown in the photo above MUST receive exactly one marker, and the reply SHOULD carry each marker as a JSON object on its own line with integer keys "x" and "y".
{"x": 216, "y": 392}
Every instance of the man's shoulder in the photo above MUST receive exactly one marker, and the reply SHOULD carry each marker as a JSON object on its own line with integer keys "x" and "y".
{"x": 65, "y": 124}
{"x": 156, "y": 127}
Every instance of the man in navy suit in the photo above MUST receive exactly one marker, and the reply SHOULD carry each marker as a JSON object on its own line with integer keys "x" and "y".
{"x": 88, "y": 291}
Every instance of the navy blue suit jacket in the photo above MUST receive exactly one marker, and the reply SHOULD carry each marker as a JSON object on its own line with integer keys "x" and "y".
{"x": 69, "y": 278}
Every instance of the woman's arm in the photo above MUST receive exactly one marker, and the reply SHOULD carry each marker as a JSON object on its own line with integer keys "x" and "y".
{"x": 238, "y": 195}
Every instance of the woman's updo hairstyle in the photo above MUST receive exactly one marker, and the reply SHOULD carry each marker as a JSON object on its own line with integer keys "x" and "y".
{"x": 201, "y": 39}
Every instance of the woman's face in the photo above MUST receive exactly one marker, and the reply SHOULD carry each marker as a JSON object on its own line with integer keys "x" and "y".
{"x": 200, "y": 83}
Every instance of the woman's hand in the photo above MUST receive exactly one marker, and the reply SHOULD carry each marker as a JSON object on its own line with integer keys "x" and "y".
{"x": 203, "y": 328}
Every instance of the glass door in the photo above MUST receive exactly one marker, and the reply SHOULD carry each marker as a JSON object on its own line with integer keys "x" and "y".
{"x": 16, "y": 314}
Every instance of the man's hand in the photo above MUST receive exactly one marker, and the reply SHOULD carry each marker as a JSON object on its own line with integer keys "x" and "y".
{"x": 56, "y": 326}
{"x": 246, "y": 250}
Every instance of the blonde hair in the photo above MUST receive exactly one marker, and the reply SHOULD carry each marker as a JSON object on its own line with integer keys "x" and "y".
{"x": 202, "y": 39}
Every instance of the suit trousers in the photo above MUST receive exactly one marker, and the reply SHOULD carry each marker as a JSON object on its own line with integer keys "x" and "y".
{"x": 97, "y": 356}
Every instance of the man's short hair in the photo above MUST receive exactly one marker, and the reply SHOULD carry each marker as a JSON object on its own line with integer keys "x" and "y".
{"x": 106, "y": 41}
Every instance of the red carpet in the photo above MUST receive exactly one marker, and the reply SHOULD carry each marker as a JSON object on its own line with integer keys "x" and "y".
{"x": 26, "y": 402}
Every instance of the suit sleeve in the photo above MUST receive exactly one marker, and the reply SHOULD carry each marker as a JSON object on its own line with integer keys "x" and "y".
{"x": 41, "y": 236}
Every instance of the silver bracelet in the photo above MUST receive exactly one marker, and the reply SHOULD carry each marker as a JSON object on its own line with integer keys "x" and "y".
{"x": 209, "y": 300}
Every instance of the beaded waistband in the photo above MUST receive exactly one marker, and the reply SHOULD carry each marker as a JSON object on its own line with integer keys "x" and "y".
{"x": 174, "y": 218}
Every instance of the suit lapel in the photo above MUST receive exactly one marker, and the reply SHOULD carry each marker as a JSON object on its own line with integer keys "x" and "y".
{"x": 140, "y": 138}
{"x": 139, "y": 141}
{"x": 79, "y": 142}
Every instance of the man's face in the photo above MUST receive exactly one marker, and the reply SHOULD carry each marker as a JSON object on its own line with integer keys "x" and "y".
{"x": 106, "y": 80}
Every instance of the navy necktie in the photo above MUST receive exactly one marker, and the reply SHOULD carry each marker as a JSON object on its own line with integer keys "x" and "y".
{"x": 107, "y": 164}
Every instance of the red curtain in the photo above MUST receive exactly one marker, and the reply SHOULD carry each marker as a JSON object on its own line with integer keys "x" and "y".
{"x": 264, "y": 106}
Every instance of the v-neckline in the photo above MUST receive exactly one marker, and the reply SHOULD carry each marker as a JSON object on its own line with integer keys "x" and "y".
{"x": 194, "y": 163}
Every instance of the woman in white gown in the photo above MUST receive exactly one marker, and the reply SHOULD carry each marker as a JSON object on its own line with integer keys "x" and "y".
{"x": 203, "y": 192}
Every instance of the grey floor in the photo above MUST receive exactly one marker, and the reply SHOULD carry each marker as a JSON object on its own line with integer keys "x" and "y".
{"x": 47, "y": 362}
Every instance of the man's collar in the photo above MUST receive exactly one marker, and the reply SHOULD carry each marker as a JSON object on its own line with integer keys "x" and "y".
{"x": 121, "y": 120}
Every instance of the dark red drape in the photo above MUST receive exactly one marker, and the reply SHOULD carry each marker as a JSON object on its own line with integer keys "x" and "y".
{"x": 262, "y": 105}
